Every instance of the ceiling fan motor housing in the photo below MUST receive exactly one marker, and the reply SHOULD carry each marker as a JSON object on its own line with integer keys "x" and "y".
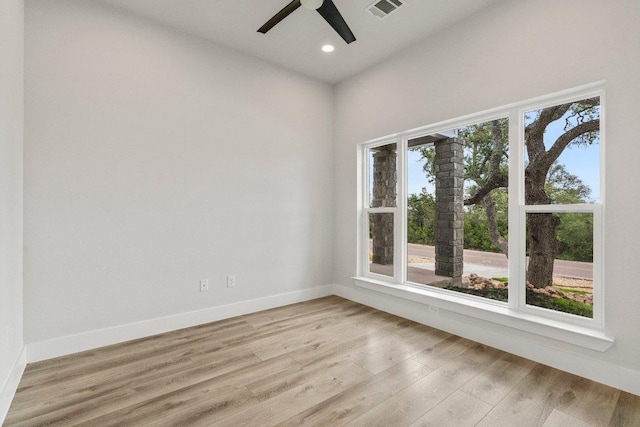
{"x": 326, "y": 8}
{"x": 311, "y": 4}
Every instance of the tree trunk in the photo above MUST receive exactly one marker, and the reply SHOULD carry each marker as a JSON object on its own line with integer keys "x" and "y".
{"x": 543, "y": 248}
{"x": 541, "y": 230}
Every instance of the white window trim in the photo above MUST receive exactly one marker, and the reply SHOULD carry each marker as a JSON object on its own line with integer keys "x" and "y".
{"x": 589, "y": 333}
{"x": 457, "y": 307}
{"x": 366, "y": 210}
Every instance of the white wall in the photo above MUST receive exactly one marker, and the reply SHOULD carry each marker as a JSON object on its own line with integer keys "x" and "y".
{"x": 154, "y": 159}
{"x": 511, "y": 52}
{"x": 11, "y": 137}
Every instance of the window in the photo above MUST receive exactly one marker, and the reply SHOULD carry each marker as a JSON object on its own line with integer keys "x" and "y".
{"x": 381, "y": 205}
{"x": 561, "y": 164}
{"x": 502, "y": 208}
{"x": 457, "y": 240}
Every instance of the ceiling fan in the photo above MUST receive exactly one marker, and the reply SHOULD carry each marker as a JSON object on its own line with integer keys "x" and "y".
{"x": 326, "y": 8}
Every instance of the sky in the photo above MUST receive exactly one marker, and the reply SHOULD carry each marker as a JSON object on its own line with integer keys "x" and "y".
{"x": 416, "y": 178}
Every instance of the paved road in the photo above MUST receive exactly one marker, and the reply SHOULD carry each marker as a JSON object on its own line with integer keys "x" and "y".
{"x": 581, "y": 270}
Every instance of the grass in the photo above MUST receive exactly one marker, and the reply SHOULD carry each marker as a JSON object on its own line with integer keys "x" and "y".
{"x": 500, "y": 279}
{"x": 491, "y": 293}
{"x": 573, "y": 291}
{"x": 560, "y": 304}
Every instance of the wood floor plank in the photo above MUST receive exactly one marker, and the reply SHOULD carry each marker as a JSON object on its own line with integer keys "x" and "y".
{"x": 532, "y": 401}
{"x": 627, "y": 411}
{"x": 357, "y": 400}
{"x": 285, "y": 401}
{"x": 56, "y": 403}
{"x": 560, "y": 419}
{"x": 277, "y": 384}
{"x": 325, "y": 362}
{"x": 381, "y": 355}
{"x": 314, "y": 335}
{"x": 351, "y": 313}
{"x": 129, "y": 359}
{"x": 441, "y": 352}
{"x": 589, "y": 401}
{"x": 178, "y": 408}
{"x": 352, "y": 341}
{"x": 146, "y": 366}
{"x": 457, "y": 410}
{"x": 410, "y": 404}
{"x": 502, "y": 376}
{"x": 138, "y": 391}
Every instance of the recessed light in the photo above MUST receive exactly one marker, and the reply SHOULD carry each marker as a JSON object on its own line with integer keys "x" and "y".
{"x": 328, "y": 48}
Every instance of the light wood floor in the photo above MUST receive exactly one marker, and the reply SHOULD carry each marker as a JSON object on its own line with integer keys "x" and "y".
{"x": 325, "y": 362}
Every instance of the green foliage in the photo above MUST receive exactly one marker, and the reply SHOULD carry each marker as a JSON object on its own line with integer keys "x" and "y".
{"x": 421, "y": 219}
{"x": 575, "y": 237}
{"x": 490, "y": 293}
{"x": 476, "y": 230}
{"x": 478, "y": 147}
{"x": 564, "y": 187}
{"x": 476, "y": 227}
{"x": 479, "y": 141}
{"x": 559, "y": 304}
{"x": 538, "y": 300}
{"x": 428, "y": 156}
{"x": 573, "y": 291}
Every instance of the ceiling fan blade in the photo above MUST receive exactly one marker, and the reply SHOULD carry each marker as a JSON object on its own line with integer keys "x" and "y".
{"x": 286, "y": 11}
{"x": 330, "y": 13}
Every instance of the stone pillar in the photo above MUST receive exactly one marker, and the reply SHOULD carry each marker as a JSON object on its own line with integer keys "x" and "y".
{"x": 449, "y": 208}
{"x": 384, "y": 195}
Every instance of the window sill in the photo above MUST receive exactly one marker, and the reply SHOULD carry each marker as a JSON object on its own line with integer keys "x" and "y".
{"x": 497, "y": 313}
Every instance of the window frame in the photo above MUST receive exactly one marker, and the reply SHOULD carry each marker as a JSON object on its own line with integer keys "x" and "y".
{"x": 517, "y": 296}
{"x": 516, "y": 308}
{"x": 367, "y": 210}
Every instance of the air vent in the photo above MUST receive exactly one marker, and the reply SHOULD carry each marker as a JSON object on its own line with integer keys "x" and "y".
{"x": 382, "y": 8}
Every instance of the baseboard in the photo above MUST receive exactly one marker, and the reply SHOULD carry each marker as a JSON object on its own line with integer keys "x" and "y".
{"x": 99, "y": 338}
{"x": 8, "y": 390}
{"x": 514, "y": 341}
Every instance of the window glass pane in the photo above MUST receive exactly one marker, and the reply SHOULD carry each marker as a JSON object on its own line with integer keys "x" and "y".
{"x": 562, "y": 155}
{"x": 457, "y": 209}
{"x": 381, "y": 243}
{"x": 421, "y": 212}
{"x": 560, "y": 262}
{"x": 486, "y": 217}
{"x": 383, "y": 166}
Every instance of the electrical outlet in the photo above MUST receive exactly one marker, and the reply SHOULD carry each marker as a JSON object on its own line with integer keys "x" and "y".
{"x": 231, "y": 281}
{"x": 204, "y": 285}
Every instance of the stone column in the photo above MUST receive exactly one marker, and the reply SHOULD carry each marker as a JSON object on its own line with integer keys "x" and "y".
{"x": 384, "y": 195}
{"x": 449, "y": 208}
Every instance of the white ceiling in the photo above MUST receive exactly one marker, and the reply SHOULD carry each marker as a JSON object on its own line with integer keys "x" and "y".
{"x": 296, "y": 41}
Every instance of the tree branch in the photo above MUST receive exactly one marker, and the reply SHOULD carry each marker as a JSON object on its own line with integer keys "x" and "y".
{"x": 565, "y": 139}
{"x": 498, "y": 180}
{"x": 494, "y": 234}
{"x": 497, "y": 150}
{"x": 534, "y": 132}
